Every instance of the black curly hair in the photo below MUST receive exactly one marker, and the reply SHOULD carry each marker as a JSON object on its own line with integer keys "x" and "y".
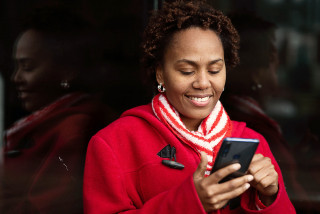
{"x": 179, "y": 15}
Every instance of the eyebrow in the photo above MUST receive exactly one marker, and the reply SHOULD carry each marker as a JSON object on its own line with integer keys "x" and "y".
{"x": 215, "y": 61}
{"x": 23, "y": 60}
{"x": 195, "y": 64}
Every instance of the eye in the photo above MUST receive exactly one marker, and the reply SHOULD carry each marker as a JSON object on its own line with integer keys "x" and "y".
{"x": 27, "y": 67}
{"x": 25, "y": 64}
{"x": 215, "y": 68}
{"x": 213, "y": 72}
{"x": 186, "y": 72}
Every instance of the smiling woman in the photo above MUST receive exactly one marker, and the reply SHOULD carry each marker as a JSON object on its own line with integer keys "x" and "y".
{"x": 44, "y": 152}
{"x": 188, "y": 47}
{"x": 37, "y": 75}
{"x": 193, "y": 74}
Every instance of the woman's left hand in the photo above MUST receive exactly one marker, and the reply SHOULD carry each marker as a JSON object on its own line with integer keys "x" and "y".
{"x": 265, "y": 178}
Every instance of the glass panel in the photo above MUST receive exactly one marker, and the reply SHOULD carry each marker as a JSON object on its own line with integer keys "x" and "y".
{"x": 87, "y": 78}
{"x": 286, "y": 89}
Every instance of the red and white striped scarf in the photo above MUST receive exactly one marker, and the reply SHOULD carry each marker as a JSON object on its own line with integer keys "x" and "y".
{"x": 212, "y": 130}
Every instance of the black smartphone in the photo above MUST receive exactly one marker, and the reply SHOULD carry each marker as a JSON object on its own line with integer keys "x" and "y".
{"x": 235, "y": 150}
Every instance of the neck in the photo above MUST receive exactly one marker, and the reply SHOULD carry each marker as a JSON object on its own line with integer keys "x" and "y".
{"x": 191, "y": 124}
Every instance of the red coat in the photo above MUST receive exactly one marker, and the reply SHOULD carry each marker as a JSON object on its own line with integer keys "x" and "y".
{"x": 123, "y": 172}
{"x": 45, "y": 174}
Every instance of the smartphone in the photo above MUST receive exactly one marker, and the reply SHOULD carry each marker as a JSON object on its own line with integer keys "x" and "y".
{"x": 235, "y": 150}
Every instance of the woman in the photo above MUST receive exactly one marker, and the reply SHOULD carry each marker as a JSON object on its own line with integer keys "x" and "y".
{"x": 187, "y": 48}
{"x": 44, "y": 152}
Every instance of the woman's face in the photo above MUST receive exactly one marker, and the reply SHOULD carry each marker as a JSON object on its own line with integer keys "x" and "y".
{"x": 37, "y": 78}
{"x": 193, "y": 73}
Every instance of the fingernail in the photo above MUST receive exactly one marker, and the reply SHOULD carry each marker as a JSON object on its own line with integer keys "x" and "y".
{"x": 246, "y": 186}
{"x": 250, "y": 178}
{"x": 236, "y": 166}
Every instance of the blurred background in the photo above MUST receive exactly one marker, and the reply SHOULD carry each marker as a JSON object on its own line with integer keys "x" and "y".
{"x": 294, "y": 106}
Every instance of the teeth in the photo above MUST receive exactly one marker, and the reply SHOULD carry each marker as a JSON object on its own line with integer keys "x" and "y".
{"x": 199, "y": 99}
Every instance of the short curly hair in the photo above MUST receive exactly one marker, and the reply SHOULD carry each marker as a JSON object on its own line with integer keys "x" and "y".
{"x": 180, "y": 15}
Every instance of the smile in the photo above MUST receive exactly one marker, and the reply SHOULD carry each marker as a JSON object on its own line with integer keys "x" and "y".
{"x": 23, "y": 94}
{"x": 199, "y": 101}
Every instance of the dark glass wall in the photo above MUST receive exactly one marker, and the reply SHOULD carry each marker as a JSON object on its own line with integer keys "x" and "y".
{"x": 293, "y": 106}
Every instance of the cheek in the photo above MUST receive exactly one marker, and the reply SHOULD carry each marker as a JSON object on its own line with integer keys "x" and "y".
{"x": 170, "y": 81}
{"x": 176, "y": 86}
{"x": 32, "y": 79}
{"x": 42, "y": 79}
{"x": 175, "y": 91}
{"x": 174, "y": 94}
{"x": 218, "y": 85}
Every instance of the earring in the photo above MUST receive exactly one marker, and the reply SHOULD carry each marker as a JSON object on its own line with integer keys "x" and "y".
{"x": 65, "y": 84}
{"x": 256, "y": 87}
{"x": 161, "y": 88}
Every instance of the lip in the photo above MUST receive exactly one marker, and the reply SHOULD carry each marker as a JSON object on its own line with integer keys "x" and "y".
{"x": 20, "y": 89}
{"x": 23, "y": 93}
{"x": 199, "y": 100}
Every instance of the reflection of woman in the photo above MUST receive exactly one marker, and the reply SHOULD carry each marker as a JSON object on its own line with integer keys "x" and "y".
{"x": 244, "y": 98}
{"x": 44, "y": 152}
{"x": 187, "y": 48}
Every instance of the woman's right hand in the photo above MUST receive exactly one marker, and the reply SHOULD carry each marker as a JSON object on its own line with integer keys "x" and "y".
{"x": 213, "y": 195}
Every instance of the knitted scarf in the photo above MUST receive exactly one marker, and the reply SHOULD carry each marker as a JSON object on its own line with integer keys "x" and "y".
{"x": 208, "y": 138}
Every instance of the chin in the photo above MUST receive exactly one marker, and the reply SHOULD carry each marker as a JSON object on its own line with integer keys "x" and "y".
{"x": 30, "y": 107}
{"x": 199, "y": 115}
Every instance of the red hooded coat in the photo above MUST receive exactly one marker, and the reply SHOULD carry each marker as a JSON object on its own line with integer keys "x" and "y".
{"x": 123, "y": 172}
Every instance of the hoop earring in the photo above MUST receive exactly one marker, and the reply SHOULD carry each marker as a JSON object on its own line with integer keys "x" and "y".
{"x": 65, "y": 84}
{"x": 161, "y": 88}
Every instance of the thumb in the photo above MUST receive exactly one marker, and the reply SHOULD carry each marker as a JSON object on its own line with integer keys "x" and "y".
{"x": 202, "y": 167}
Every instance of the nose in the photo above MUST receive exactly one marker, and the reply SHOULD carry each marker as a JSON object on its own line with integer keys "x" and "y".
{"x": 202, "y": 81}
{"x": 17, "y": 76}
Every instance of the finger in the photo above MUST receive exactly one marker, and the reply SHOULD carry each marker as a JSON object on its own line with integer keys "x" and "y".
{"x": 233, "y": 184}
{"x": 269, "y": 190}
{"x": 202, "y": 167}
{"x": 222, "y": 173}
{"x": 263, "y": 173}
{"x": 218, "y": 205}
{"x": 232, "y": 194}
{"x": 259, "y": 164}
{"x": 268, "y": 181}
{"x": 257, "y": 157}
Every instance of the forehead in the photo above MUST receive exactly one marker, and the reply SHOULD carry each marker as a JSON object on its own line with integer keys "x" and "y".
{"x": 30, "y": 44}
{"x": 196, "y": 41}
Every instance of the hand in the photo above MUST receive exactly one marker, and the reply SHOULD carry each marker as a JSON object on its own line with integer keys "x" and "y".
{"x": 213, "y": 195}
{"x": 265, "y": 178}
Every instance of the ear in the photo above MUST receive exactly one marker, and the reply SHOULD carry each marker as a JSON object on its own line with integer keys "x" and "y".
{"x": 159, "y": 74}
{"x": 68, "y": 75}
{"x": 256, "y": 76}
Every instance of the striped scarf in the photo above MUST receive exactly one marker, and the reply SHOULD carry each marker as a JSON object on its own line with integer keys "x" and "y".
{"x": 212, "y": 130}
